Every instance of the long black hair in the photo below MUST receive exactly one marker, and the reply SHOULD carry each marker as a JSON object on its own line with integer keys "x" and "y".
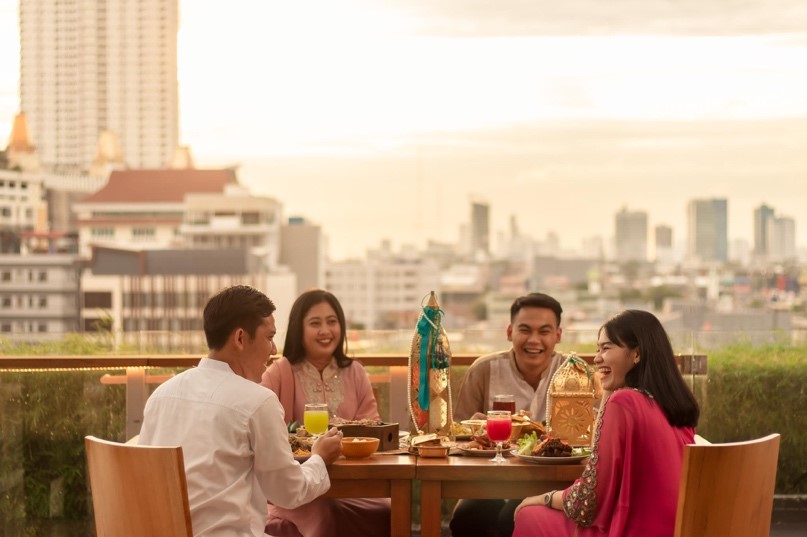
{"x": 656, "y": 372}
{"x": 293, "y": 348}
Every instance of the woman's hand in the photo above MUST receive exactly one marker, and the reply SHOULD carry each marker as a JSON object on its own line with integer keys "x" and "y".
{"x": 532, "y": 500}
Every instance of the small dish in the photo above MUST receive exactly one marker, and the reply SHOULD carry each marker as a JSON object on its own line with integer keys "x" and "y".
{"x": 359, "y": 447}
{"x": 433, "y": 451}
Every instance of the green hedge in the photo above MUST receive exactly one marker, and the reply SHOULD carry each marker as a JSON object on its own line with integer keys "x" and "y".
{"x": 751, "y": 392}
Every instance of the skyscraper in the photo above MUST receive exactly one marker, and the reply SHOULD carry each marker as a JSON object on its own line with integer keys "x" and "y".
{"x": 480, "y": 229}
{"x": 782, "y": 239}
{"x": 664, "y": 244}
{"x": 631, "y": 235}
{"x": 100, "y": 65}
{"x": 707, "y": 227}
{"x": 763, "y": 216}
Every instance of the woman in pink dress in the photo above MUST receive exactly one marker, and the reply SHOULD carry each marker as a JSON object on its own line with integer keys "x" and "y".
{"x": 629, "y": 487}
{"x": 315, "y": 369}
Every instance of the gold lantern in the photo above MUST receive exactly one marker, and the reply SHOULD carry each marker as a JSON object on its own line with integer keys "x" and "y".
{"x": 570, "y": 400}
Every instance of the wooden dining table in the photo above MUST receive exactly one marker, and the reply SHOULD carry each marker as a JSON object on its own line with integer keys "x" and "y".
{"x": 478, "y": 477}
{"x": 379, "y": 476}
{"x": 456, "y": 477}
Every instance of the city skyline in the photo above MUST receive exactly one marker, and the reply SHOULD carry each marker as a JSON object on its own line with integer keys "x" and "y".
{"x": 561, "y": 117}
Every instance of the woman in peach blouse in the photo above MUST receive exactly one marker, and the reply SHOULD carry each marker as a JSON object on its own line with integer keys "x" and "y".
{"x": 316, "y": 369}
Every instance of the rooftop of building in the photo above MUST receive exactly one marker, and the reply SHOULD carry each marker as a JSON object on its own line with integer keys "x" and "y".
{"x": 160, "y": 186}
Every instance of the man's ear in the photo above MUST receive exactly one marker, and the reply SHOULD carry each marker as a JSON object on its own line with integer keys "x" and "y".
{"x": 239, "y": 338}
{"x": 510, "y": 332}
{"x": 560, "y": 335}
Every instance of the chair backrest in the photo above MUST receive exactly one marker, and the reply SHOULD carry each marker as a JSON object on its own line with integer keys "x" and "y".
{"x": 137, "y": 491}
{"x": 727, "y": 489}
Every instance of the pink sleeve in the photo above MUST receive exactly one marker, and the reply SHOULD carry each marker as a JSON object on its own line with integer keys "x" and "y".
{"x": 271, "y": 378}
{"x": 366, "y": 405}
{"x": 279, "y": 378}
{"x": 591, "y": 500}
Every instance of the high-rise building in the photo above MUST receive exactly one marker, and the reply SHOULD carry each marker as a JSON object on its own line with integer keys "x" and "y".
{"x": 100, "y": 65}
{"x": 302, "y": 249}
{"x": 631, "y": 235}
{"x": 664, "y": 244}
{"x": 707, "y": 226}
{"x": 782, "y": 239}
{"x": 480, "y": 229}
{"x": 763, "y": 215}
{"x": 663, "y": 237}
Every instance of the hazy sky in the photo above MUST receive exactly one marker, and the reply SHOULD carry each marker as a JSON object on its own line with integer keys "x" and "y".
{"x": 382, "y": 118}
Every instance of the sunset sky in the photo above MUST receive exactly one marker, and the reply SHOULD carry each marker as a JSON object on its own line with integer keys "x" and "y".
{"x": 401, "y": 110}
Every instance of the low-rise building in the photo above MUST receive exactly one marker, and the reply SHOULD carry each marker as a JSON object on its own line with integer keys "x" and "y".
{"x": 39, "y": 296}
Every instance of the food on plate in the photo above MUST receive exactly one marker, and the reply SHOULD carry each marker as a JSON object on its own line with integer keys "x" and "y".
{"x": 415, "y": 442}
{"x": 480, "y": 440}
{"x": 300, "y": 445}
{"x": 530, "y": 426}
{"x": 364, "y": 421}
{"x": 552, "y": 447}
{"x": 458, "y": 429}
{"x": 425, "y": 440}
{"x": 543, "y": 446}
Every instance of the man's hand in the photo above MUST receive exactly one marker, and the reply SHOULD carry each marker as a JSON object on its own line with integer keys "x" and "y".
{"x": 329, "y": 445}
{"x": 532, "y": 500}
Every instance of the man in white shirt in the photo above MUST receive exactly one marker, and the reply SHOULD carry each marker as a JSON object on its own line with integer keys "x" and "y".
{"x": 523, "y": 371}
{"x": 231, "y": 428}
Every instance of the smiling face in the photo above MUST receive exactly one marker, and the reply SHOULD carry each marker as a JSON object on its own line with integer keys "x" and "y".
{"x": 321, "y": 332}
{"x": 534, "y": 333}
{"x": 257, "y": 350}
{"x": 613, "y": 362}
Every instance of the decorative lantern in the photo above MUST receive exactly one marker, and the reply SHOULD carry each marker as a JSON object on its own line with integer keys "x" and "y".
{"x": 429, "y": 381}
{"x": 570, "y": 401}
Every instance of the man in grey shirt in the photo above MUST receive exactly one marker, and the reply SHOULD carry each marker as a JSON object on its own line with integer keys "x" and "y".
{"x": 524, "y": 371}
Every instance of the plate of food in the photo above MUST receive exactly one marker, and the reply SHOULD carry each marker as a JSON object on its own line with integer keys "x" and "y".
{"x": 474, "y": 449}
{"x": 570, "y": 459}
{"x": 460, "y": 431}
{"x": 300, "y": 447}
{"x": 549, "y": 450}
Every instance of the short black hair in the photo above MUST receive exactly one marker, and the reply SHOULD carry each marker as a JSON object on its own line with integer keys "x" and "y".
{"x": 293, "y": 347}
{"x": 239, "y": 306}
{"x": 656, "y": 372}
{"x": 535, "y": 300}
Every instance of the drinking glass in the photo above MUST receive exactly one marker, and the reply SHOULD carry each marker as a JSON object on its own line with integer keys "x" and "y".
{"x": 315, "y": 418}
{"x": 504, "y": 401}
{"x": 499, "y": 429}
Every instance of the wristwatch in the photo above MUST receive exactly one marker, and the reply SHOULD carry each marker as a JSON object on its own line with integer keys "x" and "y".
{"x": 548, "y": 498}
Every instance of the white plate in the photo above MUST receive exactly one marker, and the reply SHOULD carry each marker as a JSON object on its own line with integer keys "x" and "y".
{"x": 481, "y": 452}
{"x": 474, "y": 423}
{"x": 550, "y": 460}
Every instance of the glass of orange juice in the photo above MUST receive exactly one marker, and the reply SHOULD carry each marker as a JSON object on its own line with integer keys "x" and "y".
{"x": 315, "y": 418}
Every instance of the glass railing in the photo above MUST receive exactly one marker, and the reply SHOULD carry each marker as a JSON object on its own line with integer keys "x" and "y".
{"x": 51, "y": 397}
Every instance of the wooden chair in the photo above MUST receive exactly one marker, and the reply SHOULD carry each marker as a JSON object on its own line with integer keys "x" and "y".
{"x": 727, "y": 489}
{"x": 137, "y": 491}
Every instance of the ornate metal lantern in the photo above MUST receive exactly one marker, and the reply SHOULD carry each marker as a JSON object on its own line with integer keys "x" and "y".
{"x": 570, "y": 400}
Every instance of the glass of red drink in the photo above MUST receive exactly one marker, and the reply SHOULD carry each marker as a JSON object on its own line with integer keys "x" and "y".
{"x": 499, "y": 429}
{"x": 504, "y": 401}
